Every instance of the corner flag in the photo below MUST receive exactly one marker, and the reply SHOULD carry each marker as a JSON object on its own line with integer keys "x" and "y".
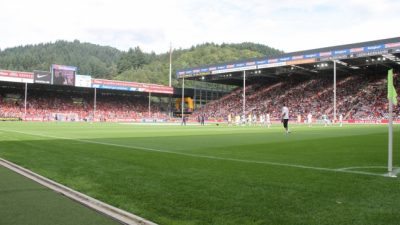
{"x": 392, "y": 95}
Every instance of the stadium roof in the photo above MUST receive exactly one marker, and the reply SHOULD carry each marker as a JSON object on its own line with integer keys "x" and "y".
{"x": 19, "y": 87}
{"x": 46, "y": 80}
{"x": 372, "y": 57}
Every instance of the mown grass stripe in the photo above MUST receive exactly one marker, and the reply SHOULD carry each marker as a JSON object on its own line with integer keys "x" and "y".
{"x": 340, "y": 170}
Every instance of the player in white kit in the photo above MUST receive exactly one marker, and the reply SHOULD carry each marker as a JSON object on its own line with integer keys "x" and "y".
{"x": 309, "y": 119}
{"x": 237, "y": 120}
{"x": 285, "y": 118}
{"x": 262, "y": 120}
{"x": 268, "y": 120}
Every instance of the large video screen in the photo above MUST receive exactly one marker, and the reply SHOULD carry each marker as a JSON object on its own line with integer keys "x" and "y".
{"x": 63, "y": 75}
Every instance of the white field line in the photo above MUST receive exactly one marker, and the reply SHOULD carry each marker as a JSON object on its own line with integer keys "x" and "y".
{"x": 389, "y": 174}
{"x": 363, "y": 167}
{"x": 201, "y": 156}
{"x": 159, "y": 124}
{"x": 111, "y": 211}
{"x": 394, "y": 173}
{"x": 397, "y": 171}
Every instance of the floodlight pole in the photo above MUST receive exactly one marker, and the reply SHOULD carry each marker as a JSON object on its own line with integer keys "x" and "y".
{"x": 194, "y": 97}
{"x": 206, "y": 96}
{"x": 244, "y": 94}
{"x": 390, "y": 149}
{"x": 25, "y": 100}
{"x": 183, "y": 96}
{"x": 170, "y": 105}
{"x": 94, "y": 104}
{"x": 170, "y": 79}
{"x": 200, "y": 98}
{"x": 170, "y": 65}
{"x": 149, "y": 103}
{"x": 334, "y": 91}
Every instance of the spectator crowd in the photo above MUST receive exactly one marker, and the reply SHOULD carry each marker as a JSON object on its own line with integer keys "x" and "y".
{"x": 48, "y": 106}
{"x": 358, "y": 98}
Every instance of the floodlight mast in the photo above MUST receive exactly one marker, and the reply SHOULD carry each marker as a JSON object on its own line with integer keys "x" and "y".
{"x": 170, "y": 80}
{"x": 149, "y": 104}
{"x": 25, "y": 99}
{"x": 170, "y": 65}
{"x": 183, "y": 96}
{"x": 244, "y": 94}
{"x": 334, "y": 91}
{"x": 94, "y": 104}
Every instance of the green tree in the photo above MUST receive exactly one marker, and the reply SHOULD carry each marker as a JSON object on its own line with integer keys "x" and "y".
{"x": 132, "y": 65}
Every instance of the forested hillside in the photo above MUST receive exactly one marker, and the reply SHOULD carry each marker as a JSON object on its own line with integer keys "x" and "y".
{"x": 132, "y": 65}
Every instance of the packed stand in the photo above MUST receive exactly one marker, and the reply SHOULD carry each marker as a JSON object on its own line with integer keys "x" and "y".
{"x": 358, "y": 98}
{"x": 49, "y": 106}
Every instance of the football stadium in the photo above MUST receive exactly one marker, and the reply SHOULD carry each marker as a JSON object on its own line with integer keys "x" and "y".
{"x": 76, "y": 149}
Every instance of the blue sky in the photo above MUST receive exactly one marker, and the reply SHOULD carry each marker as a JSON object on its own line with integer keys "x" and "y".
{"x": 288, "y": 25}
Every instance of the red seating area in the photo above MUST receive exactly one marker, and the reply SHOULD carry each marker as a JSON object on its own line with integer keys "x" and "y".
{"x": 48, "y": 106}
{"x": 358, "y": 97}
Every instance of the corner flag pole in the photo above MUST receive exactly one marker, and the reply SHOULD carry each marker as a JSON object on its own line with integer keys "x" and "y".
{"x": 392, "y": 97}
{"x": 390, "y": 150}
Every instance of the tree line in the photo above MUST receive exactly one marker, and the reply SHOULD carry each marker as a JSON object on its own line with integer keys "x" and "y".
{"x": 132, "y": 65}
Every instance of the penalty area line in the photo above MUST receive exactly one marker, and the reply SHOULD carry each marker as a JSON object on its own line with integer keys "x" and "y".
{"x": 202, "y": 156}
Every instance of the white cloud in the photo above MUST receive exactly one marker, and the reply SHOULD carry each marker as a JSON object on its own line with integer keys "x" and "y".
{"x": 289, "y": 25}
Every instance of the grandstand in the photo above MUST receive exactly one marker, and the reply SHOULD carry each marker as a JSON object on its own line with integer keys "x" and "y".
{"x": 347, "y": 79}
{"x": 24, "y": 97}
{"x": 207, "y": 174}
{"x": 96, "y": 100}
{"x": 358, "y": 98}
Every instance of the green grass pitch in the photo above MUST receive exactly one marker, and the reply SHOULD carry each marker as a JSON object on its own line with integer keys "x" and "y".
{"x": 25, "y": 202}
{"x": 218, "y": 174}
